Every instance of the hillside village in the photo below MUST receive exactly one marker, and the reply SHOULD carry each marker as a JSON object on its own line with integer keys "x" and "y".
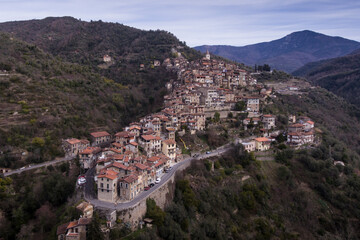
{"x": 129, "y": 161}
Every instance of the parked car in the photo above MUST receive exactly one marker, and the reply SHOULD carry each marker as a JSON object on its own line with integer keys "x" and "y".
{"x": 147, "y": 188}
{"x": 151, "y": 184}
{"x": 208, "y": 152}
{"x": 158, "y": 180}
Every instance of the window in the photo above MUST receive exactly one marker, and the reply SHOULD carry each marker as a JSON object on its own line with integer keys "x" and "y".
{"x": 107, "y": 186}
{"x": 108, "y": 190}
{"x": 107, "y": 179}
{"x": 101, "y": 185}
{"x": 102, "y": 190}
{"x": 126, "y": 185}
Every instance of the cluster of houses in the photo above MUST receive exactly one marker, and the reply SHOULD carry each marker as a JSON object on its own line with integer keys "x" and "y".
{"x": 128, "y": 161}
{"x": 300, "y": 132}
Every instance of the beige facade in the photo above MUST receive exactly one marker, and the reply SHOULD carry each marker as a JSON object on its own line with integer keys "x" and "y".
{"x": 262, "y": 144}
{"x": 249, "y": 146}
{"x": 169, "y": 148}
{"x": 98, "y": 138}
{"x": 107, "y": 186}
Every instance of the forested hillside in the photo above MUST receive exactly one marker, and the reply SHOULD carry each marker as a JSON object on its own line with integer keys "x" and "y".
{"x": 300, "y": 195}
{"x": 57, "y": 85}
{"x": 339, "y": 75}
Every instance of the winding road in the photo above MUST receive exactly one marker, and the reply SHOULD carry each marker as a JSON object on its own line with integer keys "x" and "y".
{"x": 35, "y": 166}
{"x": 89, "y": 192}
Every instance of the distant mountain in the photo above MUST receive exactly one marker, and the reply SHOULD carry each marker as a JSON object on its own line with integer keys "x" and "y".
{"x": 339, "y": 75}
{"x": 288, "y": 53}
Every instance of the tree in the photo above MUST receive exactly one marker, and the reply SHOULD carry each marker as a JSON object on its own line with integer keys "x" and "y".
{"x": 217, "y": 117}
{"x": 154, "y": 212}
{"x": 240, "y": 106}
{"x": 94, "y": 232}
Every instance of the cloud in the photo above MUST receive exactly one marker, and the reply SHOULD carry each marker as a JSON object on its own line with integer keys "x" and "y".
{"x": 230, "y": 22}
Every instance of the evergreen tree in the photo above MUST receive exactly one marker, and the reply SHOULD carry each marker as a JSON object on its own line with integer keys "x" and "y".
{"x": 94, "y": 231}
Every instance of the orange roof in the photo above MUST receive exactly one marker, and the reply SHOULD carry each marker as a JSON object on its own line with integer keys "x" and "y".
{"x": 115, "y": 144}
{"x": 262, "y": 139}
{"x": 169, "y": 141}
{"x": 268, "y": 116}
{"x": 148, "y": 137}
{"x": 134, "y": 143}
{"x": 110, "y": 174}
{"x": 130, "y": 179}
{"x": 159, "y": 163}
{"x": 124, "y": 134}
{"x": 311, "y": 122}
{"x": 73, "y": 141}
{"x": 153, "y": 159}
{"x": 90, "y": 150}
{"x": 141, "y": 166}
{"x": 118, "y": 165}
{"x": 100, "y": 134}
{"x": 72, "y": 224}
{"x": 115, "y": 150}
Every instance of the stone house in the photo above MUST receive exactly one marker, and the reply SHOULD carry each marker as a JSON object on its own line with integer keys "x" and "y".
{"x": 268, "y": 121}
{"x": 75, "y": 230}
{"x": 107, "y": 185}
{"x": 169, "y": 149}
{"x": 128, "y": 187}
{"x": 89, "y": 156}
{"x": 262, "y": 144}
{"x": 98, "y": 138}
{"x": 249, "y": 146}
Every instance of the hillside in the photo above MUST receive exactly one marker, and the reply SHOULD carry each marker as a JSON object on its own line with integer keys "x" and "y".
{"x": 87, "y": 42}
{"x": 300, "y": 195}
{"x": 288, "y": 53}
{"x": 339, "y": 75}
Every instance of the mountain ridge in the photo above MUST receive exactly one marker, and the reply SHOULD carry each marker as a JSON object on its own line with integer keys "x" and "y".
{"x": 288, "y": 53}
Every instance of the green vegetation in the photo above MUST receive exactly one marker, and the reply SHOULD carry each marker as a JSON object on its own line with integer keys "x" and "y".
{"x": 50, "y": 98}
{"x": 33, "y": 204}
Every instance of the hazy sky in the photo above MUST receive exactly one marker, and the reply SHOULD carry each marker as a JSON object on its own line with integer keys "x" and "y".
{"x": 198, "y": 22}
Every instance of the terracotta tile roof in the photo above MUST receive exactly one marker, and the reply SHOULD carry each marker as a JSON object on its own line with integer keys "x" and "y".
{"x": 106, "y": 173}
{"x": 100, "y": 134}
{"x": 124, "y": 134}
{"x": 169, "y": 141}
{"x": 262, "y": 139}
{"x": 311, "y": 122}
{"x": 134, "y": 143}
{"x": 268, "y": 116}
{"x": 130, "y": 179}
{"x": 153, "y": 159}
{"x": 148, "y": 137}
{"x": 72, "y": 224}
{"x": 73, "y": 141}
{"x": 140, "y": 166}
{"x": 91, "y": 150}
{"x": 118, "y": 165}
{"x": 159, "y": 163}
{"x": 115, "y": 144}
{"x": 115, "y": 150}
